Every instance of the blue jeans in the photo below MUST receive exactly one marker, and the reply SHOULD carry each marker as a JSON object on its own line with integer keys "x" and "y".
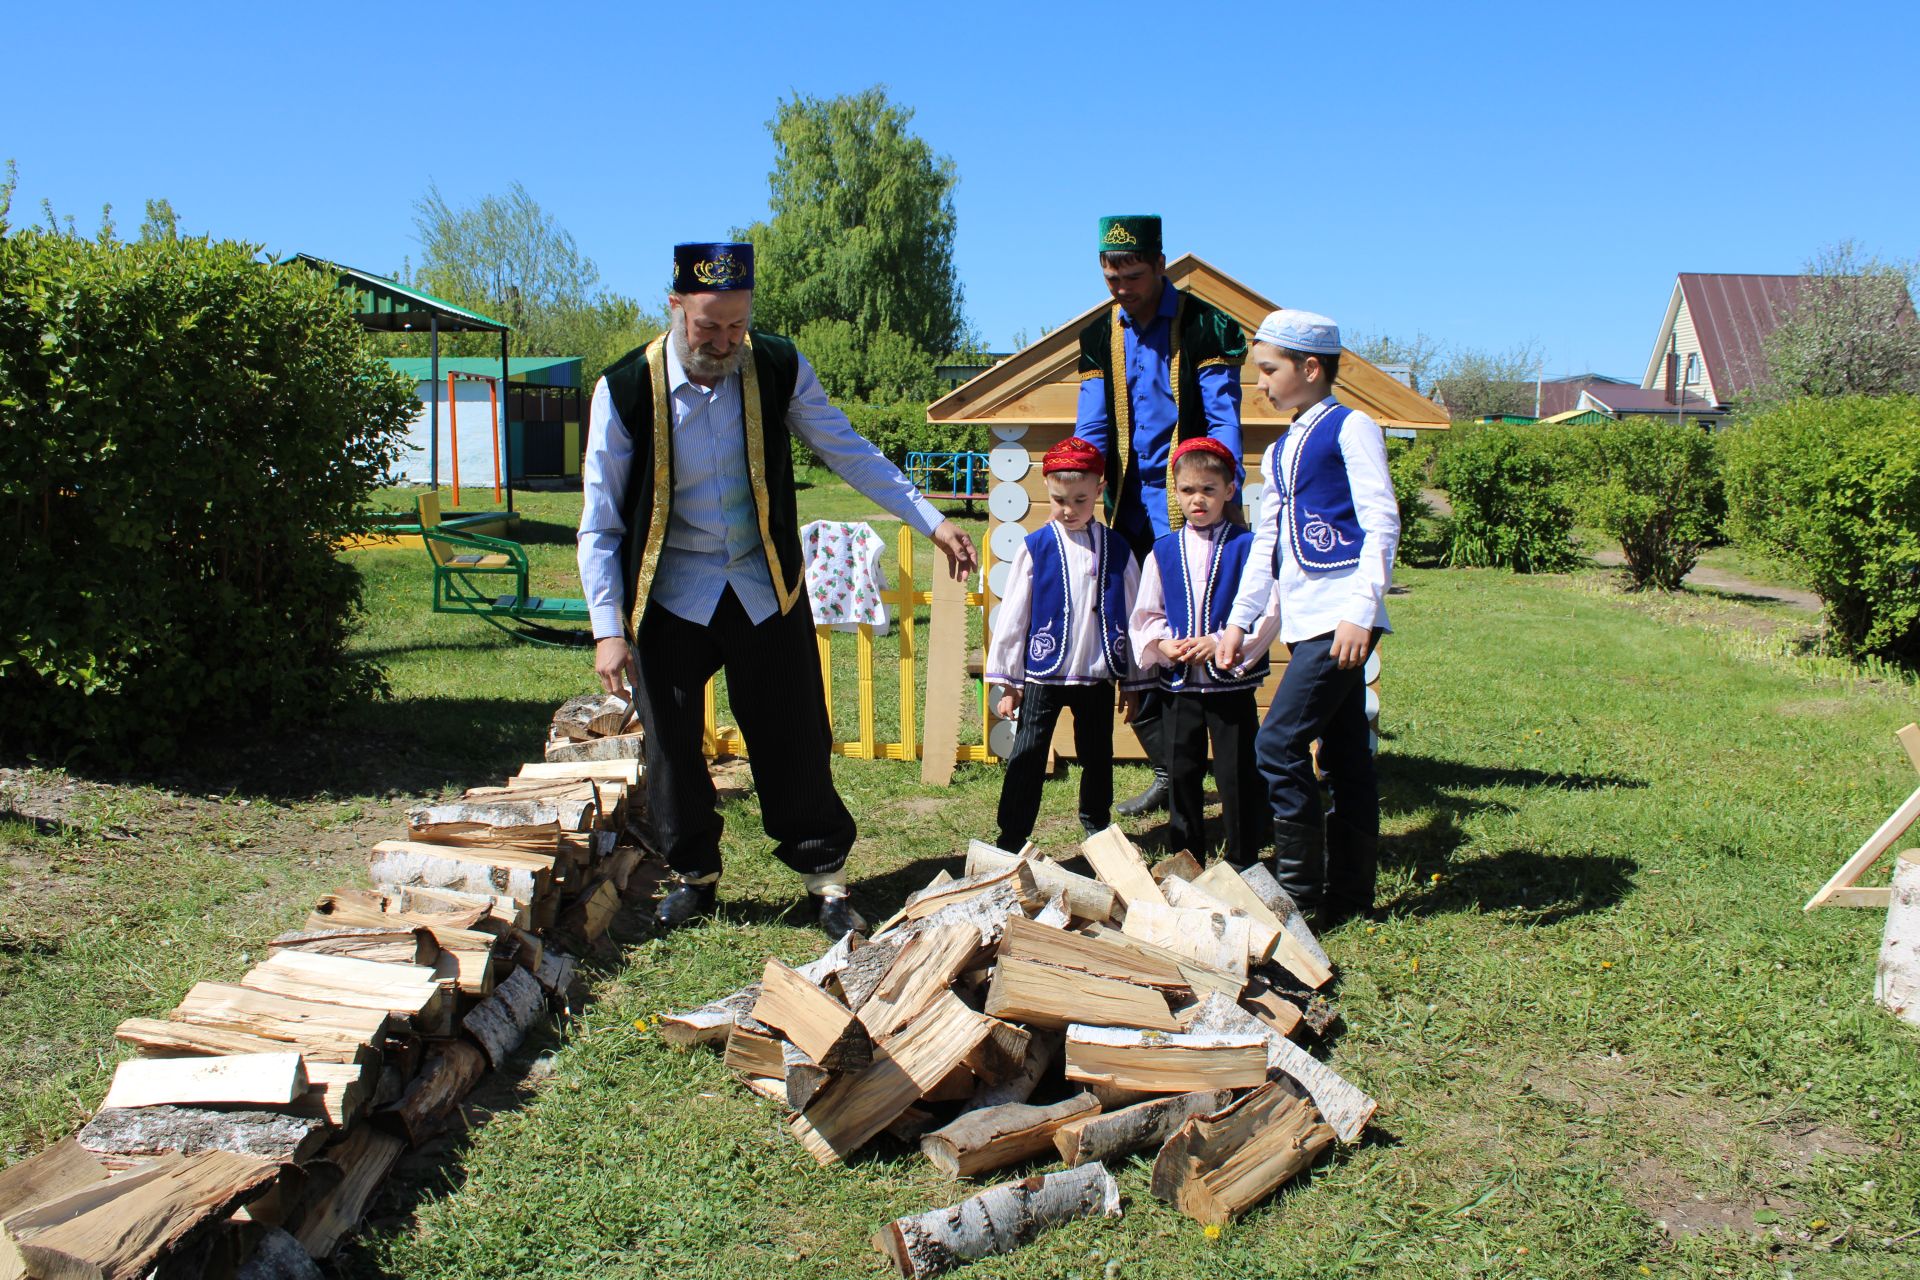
{"x": 1316, "y": 699}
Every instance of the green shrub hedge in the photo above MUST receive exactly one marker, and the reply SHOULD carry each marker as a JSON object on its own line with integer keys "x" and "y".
{"x": 1423, "y": 534}
{"x": 184, "y": 432}
{"x": 1653, "y": 484}
{"x": 1833, "y": 486}
{"x": 1512, "y": 505}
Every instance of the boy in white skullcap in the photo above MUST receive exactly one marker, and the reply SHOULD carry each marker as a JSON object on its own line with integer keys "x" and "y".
{"x": 1325, "y": 541}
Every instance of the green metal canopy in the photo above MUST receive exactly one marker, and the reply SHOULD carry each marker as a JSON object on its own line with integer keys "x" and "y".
{"x": 392, "y": 307}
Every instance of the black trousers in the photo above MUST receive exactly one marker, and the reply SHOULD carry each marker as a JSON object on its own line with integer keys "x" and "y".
{"x": 1316, "y": 699}
{"x": 1231, "y": 720}
{"x": 1040, "y": 706}
{"x": 773, "y": 684}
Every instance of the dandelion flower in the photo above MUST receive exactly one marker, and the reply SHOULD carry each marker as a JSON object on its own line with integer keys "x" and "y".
{"x": 1606, "y": 964}
{"x": 639, "y": 1024}
{"x": 1436, "y": 877}
{"x": 1212, "y": 1231}
{"x": 1415, "y": 966}
{"x": 1522, "y": 1251}
{"x": 1818, "y": 1224}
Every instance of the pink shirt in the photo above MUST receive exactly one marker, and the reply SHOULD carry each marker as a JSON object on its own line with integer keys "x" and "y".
{"x": 1148, "y": 624}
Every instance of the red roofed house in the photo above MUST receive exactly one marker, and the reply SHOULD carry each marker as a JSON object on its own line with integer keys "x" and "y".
{"x": 1712, "y": 343}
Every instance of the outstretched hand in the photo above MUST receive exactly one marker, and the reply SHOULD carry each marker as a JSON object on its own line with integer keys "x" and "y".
{"x": 613, "y": 663}
{"x": 958, "y": 548}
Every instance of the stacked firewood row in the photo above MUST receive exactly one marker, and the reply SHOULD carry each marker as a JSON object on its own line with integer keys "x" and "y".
{"x": 260, "y": 1116}
{"x": 1028, "y": 1010}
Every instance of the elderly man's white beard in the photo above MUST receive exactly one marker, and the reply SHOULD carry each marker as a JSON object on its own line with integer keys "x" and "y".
{"x": 700, "y": 362}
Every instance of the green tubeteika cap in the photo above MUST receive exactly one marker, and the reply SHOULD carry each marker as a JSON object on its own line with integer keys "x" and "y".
{"x": 1131, "y": 233}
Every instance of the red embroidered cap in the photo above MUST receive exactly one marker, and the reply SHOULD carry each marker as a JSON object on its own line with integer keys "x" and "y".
{"x": 1072, "y": 454}
{"x": 1203, "y": 444}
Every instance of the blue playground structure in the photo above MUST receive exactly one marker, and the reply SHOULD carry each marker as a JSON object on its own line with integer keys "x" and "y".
{"x": 957, "y": 477}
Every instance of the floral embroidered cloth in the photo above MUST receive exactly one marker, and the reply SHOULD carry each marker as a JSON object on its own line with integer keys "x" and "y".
{"x": 844, "y": 580}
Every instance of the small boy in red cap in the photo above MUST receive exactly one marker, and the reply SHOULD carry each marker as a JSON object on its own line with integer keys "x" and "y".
{"x": 1186, "y": 592}
{"x": 1061, "y": 642}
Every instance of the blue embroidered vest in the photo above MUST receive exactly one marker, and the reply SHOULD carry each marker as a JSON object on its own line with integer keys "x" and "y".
{"x": 1050, "y": 623}
{"x": 1220, "y": 584}
{"x": 1323, "y": 530}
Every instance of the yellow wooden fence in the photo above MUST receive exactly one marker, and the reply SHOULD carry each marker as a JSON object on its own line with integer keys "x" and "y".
{"x": 865, "y": 745}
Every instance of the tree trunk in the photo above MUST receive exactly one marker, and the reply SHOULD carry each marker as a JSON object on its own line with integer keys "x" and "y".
{"x": 998, "y": 1220}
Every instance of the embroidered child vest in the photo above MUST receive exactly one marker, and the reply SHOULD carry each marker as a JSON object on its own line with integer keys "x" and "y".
{"x": 1179, "y": 575}
{"x": 1323, "y": 531}
{"x": 1050, "y": 624}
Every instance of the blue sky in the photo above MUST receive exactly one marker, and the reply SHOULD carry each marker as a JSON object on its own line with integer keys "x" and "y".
{"x": 1485, "y": 174}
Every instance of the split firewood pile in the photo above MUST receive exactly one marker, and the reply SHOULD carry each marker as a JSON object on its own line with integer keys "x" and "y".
{"x": 1028, "y": 1010}
{"x": 260, "y": 1116}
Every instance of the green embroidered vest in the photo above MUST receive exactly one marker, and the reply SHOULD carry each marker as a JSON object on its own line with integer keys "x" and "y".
{"x": 637, "y": 384}
{"x": 1203, "y": 335}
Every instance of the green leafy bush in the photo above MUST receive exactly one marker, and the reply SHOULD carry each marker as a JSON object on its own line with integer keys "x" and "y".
{"x": 1833, "y": 486}
{"x": 1653, "y": 484}
{"x": 1423, "y": 535}
{"x": 184, "y": 432}
{"x": 1511, "y": 504}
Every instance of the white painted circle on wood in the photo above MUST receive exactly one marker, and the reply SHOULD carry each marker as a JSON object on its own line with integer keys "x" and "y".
{"x": 993, "y": 621}
{"x": 1000, "y": 738}
{"x": 1006, "y": 540}
{"x": 1008, "y": 502}
{"x": 1008, "y": 461}
{"x": 1009, "y": 430}
{"x": 1373, "y": 704}
{"x": 997, "y": 577}
{"x": 1250, "y": 494}
{"x": 1371, "y": 672}
{"x": 1373, "y": 743}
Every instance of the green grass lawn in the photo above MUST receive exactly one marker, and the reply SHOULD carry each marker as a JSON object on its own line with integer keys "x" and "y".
{"x": 1595, "y": 1006}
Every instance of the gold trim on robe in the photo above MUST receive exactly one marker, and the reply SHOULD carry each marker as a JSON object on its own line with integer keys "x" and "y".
{"x": 662, "y": 482}
{"x": 1176, "y": 518}
{"x": 755, "y": 423}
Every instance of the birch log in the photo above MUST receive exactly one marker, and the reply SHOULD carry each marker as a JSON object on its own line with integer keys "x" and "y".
{"x": 1087, "y": 898}
{"x": 502, "y": 1020}
{"x": 1347, "y": 1109}
{"x": 998, "y": 1220}
{"x": 1219, "y": 1166}
{"x": 710, "y": 1024}
{"x": 995, "y": 1137}
{"x": 1281, "y": 903}
{"x": 1896, "y": 983}
{"x": 126, "y": 1136}
{"x": 1109, "y": 1135}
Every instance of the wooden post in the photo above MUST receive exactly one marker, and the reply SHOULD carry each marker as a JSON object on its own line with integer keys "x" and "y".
{"x": 909, "y": 612}
{"x": 863, "y": 645}
{"x": 946, "y": 659}
{"x": 453, "y": 438}
{"x": 823, "y": 642}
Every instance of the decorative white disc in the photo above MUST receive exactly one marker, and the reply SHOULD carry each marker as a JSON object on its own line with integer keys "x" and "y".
{"x": 1250, "y": 495}
{"x": 1373, "y": 743}
{"x": 1006, "y": 540}
{"x": 1371, "y": 672}
{"x": 1008, "y": 502}
{"x": 993, "y": 621}
{"x": 1008, "y": 461}
{"x": 997, "y": 578}
{"x": 1009, "y": 430}
{"x": 1373, "y": 704}
{"x": 1000, "y": 738}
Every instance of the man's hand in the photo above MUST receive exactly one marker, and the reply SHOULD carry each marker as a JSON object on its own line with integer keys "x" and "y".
{"x": 613, "y": 663}
{"x": 1226, "y": 654}
{"x": 1129, "y": 705}
{"x": 1349, "y": 648}
{"x": 1009, "y": 703}
{"x": 961, "y": 557}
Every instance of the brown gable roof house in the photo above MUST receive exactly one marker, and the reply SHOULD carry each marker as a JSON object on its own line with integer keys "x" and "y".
{"x": 1712, "y": 342}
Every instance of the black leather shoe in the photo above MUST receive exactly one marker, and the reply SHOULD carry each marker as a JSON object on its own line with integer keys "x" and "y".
{"x": 1353, "y": 868}
{"x": 1300, "y": 863}
{"x": 685, "y": 904}
{"x": 1152, "y": 800}
{"x": 837, "y": 916}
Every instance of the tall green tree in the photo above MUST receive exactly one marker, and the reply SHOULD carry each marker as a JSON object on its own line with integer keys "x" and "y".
{"x": 507, "y": 257}
{"x": 861, "y": 231}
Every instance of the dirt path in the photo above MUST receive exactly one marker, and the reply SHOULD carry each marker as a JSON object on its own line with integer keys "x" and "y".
{"x": 1732, "y": 583}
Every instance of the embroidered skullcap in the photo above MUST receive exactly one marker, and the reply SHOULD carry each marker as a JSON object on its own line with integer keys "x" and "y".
{"x": 712, "y": 267}
{"x": 1131, "y": 233}
{"x": 1202, "y": 444}
{"x": 1306, "y": 331}
{"x": 1071, "y": 454}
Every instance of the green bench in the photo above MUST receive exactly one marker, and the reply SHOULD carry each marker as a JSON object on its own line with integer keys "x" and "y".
{"x": 469, "y": 572}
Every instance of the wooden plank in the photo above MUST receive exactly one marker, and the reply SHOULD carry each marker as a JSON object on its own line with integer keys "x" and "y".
{"x": 1224, "y": 883}
{"x": 1910, "y": 739}
{"x": 824, "y": 1029}
{"x": 946, "y": 673}
{"x": 1869, "y": 853}
{"x": 1043, "y": 996}
{"x": 260, "y": 1079}
{"x": 1157, "y": 1062}
{"x": 627, "y": 771}
{"x": 1877, "y": 898}
{"x": 1115, "y": 860}
{"x": 129, "y": 1224}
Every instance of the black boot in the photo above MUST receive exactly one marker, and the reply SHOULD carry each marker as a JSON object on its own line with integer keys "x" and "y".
{"x": 1300, "y": 863}
{"x": 1152, "y": 800}
{"x": 684, "y": 904}
{"x": 837, "y": 915}
{"x": 1353, "y": 865}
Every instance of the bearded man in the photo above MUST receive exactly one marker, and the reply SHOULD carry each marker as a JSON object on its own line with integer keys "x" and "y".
{"x": 691, "y": 563}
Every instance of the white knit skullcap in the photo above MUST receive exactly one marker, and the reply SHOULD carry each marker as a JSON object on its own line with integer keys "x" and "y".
{"x": 1306, "y": 331}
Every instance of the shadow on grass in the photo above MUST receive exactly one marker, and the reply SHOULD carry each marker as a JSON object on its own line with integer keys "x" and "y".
{"x": 1539, "y": 887}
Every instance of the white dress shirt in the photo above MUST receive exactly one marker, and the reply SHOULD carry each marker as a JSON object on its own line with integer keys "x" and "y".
{"x": 1313, "y": 604}
{"x": 1149, "y": 626}
{"x": 713, "y": 536}
{"x": 1086, "y": 660}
